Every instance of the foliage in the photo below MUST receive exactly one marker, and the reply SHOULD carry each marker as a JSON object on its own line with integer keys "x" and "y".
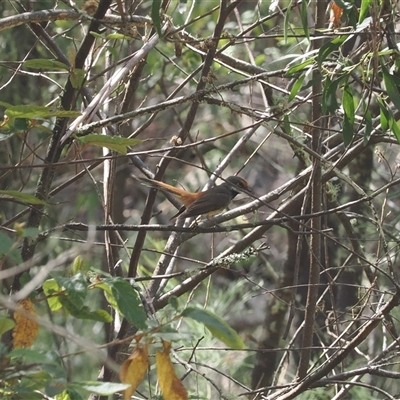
{"x": 298, "y": 280}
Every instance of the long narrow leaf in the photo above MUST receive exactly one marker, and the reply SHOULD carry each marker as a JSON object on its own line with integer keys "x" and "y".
{"x": 391, "y": 87}
{"x": 329, "y": 48}
{"x": 155, "y": 16}
{"x": 304, "y": 18}
{"x": 364, "y": 9}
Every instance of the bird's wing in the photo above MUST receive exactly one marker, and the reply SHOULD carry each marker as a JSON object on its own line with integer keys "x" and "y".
{"x": 204, "y": 205}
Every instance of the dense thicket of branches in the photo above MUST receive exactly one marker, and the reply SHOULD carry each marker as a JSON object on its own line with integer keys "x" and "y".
{"x": 302, "y": 105}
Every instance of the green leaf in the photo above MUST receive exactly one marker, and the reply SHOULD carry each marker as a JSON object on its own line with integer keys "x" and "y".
{"x": 173, "y": 302}
{"x": 116, "y": 143}
{"x": 304, "y": 18}
{"x": 8, "y": 248}
{"x": 118, "y": 36}
{"x": 26, "y": 198}
{"x": 34, "y": 111}
{"x": 44, "y": 63}
{"x": 53, "y": 291}
{"x": 69, "y": 394}
{"x": 391, "y": 87}
{"x": 384, "y": 114}
{"x": 77, "y": 77}
{"x": 97, "y": 35}
{"x": 55, "y": 386}
{"x": 70, "y": 294}
{"x": 367, "y": 126}
{"x": 76, "y": 288}
{"x": 348, "y": 103}
{"x": 349, "y": 110}
{"x": 394, "y": 126}
{"x": 364, "y": 9}
{"x": 112, "y": 50}
{"x": 328, "y": 48}
{"x": 286, "y": 21}
{"x": 44, "y": 129}
{"x": 84, "y": 312}
{"x": 219, "y": 328}
{"x": 6, "y": 324}
{"x": 155, "y": 16}
{"x": 29, "y": 232}
{"x": 286, "y": 124}
{"x": 300, "y": 67}
{"x": 21, "y": 124}
{"x": 329, "y": 97}
{"x": 127, "y": 300}
{"x": 102, "y": 388}
{"x": 80, "y": 264}
{"x": 34, "y": 356}
{"x": 296, "y": 87}
{"x": 347, "y": 131}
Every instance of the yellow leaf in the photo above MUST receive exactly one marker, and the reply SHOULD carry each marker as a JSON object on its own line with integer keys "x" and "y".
{"x": 171, "y": 387}
{"x": 26, "y": 328}
{"x": 134, "y": 369}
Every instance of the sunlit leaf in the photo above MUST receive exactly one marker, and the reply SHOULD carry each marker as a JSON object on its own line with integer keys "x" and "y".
{"x": 52, "y": 290}
{"x": 116, "y": 143}
{"x": 364, "y": 9}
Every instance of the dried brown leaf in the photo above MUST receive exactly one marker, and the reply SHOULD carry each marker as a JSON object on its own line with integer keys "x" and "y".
{"x": 171, "y": 387}
{"x": 133, "y": 370}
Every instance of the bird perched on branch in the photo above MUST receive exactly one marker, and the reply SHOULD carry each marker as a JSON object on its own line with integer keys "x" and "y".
{"x": 208, "y": 203}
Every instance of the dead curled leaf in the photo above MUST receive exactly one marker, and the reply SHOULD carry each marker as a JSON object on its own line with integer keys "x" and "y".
{"x": 133, "y": 370}
{"x": 171, "y": 387}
